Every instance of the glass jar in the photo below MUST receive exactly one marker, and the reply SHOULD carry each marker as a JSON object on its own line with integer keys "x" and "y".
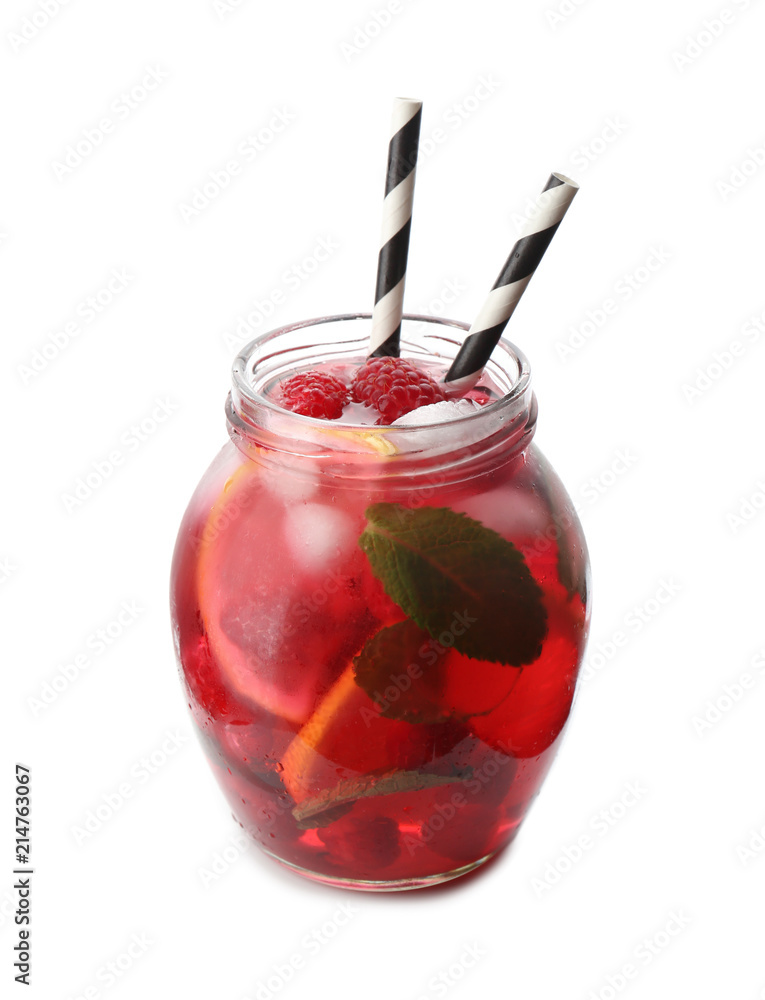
{"x": 379, "y": 629}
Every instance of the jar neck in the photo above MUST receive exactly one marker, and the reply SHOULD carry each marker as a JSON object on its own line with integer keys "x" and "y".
{"x": 497, "y": 433}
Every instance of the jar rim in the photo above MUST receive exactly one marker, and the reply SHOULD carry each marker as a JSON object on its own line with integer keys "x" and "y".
{"x": 255, "y": 420}
{"x": 243, "y": 387}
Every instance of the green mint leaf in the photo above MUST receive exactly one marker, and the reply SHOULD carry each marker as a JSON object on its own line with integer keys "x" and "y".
{"x": 312, "y": 812}
{"x": 411, "y": 678}
{"x": 392, "y": 671}
{"x": 457, "y": 579}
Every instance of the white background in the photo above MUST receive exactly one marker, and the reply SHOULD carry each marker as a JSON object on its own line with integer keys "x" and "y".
{"x": 601, "y": 91}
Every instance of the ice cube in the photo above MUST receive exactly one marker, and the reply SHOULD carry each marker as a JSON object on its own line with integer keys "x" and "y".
{"x": 288, "y": 485}
{"x": 317, "y": 535}
{"x": 512, "y": 513}
{"x": 438, "y": 413}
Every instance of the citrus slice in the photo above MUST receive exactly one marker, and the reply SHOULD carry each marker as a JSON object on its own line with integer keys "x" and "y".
{"x": 474, "y": 687}
{"x": 335, "y": 734}
{"x": 529, "y": 720}
{"x": 278, "y": 631}
{"x": 346, "y": 737}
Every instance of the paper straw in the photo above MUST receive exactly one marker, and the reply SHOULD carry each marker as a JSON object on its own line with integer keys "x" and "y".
{"x": 397, "y": 219}
{"x": 484, "y": 334}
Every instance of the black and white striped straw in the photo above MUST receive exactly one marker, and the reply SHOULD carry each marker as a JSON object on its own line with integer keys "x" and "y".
{"x": 484, "y": 334}
{"x": 397, "y": 219}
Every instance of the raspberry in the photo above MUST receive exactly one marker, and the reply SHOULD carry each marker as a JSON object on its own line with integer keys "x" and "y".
{"x": 314, "y": 394}
{"x": 393, "y": 386}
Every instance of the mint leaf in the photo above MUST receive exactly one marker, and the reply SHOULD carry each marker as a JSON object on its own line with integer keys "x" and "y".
{"x": 412, "y": 678}
{"x": 311, "y": 812}
{"x": 325, "y": 816}
{"x": 392, "y": 671}
{"x": 460, "y": 581}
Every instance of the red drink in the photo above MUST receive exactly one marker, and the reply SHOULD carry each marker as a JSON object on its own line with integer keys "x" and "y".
{"x": 379, "y": 628}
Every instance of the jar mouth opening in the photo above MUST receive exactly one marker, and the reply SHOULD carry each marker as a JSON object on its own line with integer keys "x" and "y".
{"x": 272, "y": 356}
{"x": 266, "y": 433}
